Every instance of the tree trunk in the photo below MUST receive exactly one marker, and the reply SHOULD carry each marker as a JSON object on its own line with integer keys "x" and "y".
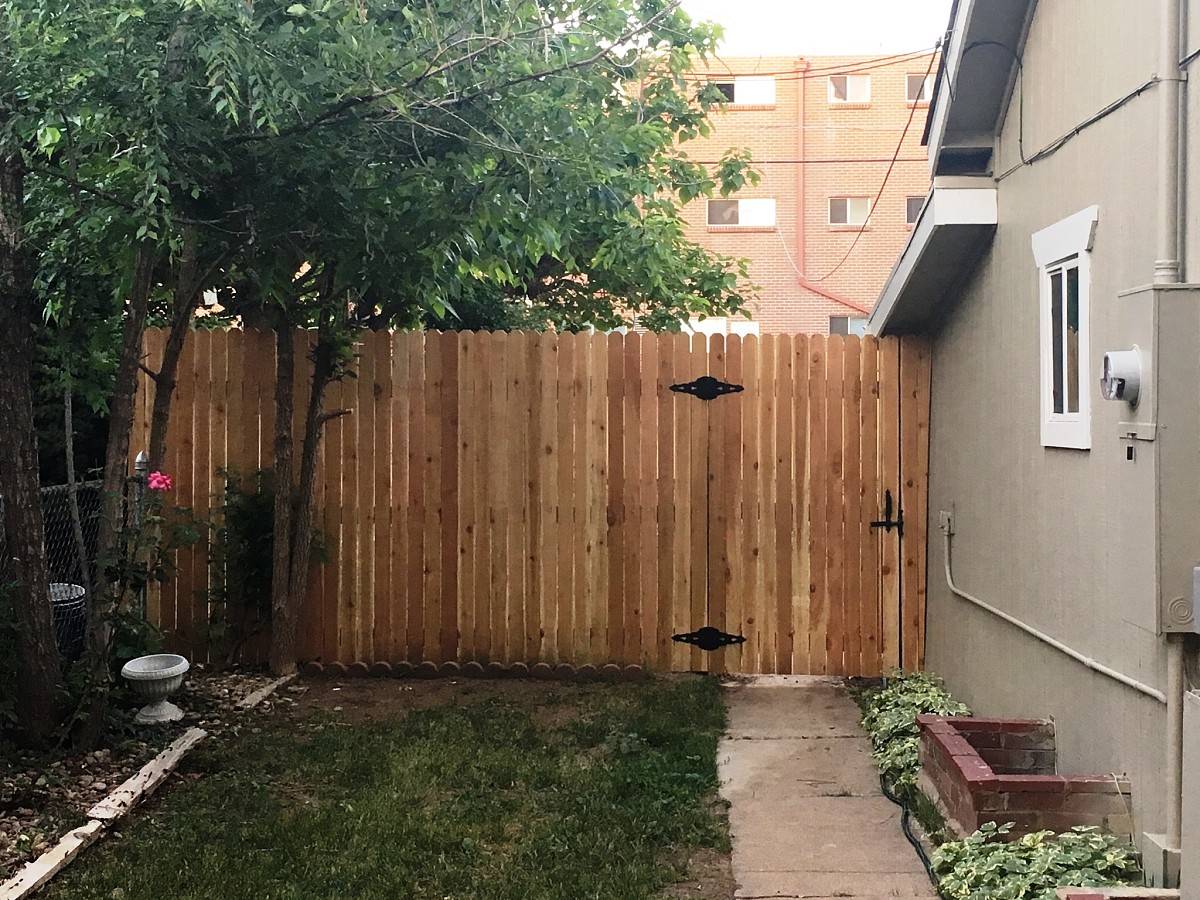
{"x": 295, "y": 505}
{"x": 282, "y": 655}
{"x": 116, "y": 468}
{"x": 38, "y": 672}
{"x": 183, "y": 306}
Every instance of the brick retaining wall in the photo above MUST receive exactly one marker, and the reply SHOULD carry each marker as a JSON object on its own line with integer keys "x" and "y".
{"x": 1003, "y": 770}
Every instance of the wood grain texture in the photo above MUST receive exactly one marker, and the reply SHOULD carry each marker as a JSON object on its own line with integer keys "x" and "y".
{"x": 522, "y": 498}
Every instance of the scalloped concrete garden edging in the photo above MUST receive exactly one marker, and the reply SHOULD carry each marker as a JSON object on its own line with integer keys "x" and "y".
{"x": 474, "y": 669}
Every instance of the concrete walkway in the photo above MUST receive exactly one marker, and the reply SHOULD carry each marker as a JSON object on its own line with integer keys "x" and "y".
{"x": 807, "y": 817}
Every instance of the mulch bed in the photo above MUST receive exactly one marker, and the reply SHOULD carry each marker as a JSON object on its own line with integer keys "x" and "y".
{"x": 43, "y": 796}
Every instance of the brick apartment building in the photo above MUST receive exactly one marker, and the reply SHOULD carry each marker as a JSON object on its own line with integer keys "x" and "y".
{"x": 822, "y": 132}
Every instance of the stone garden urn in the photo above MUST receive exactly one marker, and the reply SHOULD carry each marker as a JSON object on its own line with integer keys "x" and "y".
{"x": 155, "y": 677}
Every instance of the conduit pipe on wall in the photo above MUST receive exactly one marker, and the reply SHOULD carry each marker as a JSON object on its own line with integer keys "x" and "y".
{"x": 1176, "y": 685}
{"x": 1092, "y": 664}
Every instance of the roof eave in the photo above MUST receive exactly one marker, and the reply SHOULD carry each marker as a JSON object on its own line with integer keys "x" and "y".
{"x": 955, "y": 226}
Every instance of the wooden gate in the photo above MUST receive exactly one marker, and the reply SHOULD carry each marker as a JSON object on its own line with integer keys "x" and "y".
{"x": 538, "y": 497}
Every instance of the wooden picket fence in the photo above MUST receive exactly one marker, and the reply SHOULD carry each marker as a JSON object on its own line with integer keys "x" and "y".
{"x": 547, "y": 497}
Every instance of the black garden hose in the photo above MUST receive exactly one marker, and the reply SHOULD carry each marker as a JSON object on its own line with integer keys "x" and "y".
{"x": 906, "y": 827}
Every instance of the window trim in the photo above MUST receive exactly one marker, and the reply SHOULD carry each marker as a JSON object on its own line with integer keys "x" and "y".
{"x": 834, "y": 101}
{"x": 1060, "y": 247}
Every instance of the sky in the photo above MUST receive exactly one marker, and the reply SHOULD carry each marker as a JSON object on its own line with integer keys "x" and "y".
{"x": 823, "y": 27}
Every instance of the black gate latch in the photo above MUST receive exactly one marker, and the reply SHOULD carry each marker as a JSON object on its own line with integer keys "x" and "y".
{"x": 887, "y": 523}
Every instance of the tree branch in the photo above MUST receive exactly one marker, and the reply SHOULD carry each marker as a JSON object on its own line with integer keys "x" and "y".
{"x": 333, "y": 414}
{"x": 336, "y": 113}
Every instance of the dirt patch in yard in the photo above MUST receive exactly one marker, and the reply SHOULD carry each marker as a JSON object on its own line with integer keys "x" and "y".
{"x": 709, "y": 877}
{"x": 358, "y": 700}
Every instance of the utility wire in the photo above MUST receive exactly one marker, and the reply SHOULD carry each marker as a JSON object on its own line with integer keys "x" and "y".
{"x": 1058, "y": 142}
{"x": 814, "y": 162}
{"x": 888, "y": 174}
{"x": 845, "y": 68}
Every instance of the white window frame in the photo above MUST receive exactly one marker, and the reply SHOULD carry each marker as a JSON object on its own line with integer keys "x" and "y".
{"x": 856, "y": 325}
{"x": 848, "y": 223}
{"x": 926, "y": 87}
{"x": 750, "y": 90}
{"x": 865, "y": 79}
{"x": 1063, "y": 246}
{"x": 752, "y": 213}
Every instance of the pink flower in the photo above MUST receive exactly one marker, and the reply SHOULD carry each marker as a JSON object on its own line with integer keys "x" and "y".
{"x": 159, "y": 482}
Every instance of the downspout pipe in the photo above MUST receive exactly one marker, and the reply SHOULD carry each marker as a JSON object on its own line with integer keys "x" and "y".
{"x": 1168, "y": 266}
{"x": 1168, "y": 269}
{"x": 1092, "y": 664}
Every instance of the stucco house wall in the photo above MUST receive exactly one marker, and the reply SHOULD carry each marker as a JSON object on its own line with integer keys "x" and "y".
{"x": 1065, "y": 540}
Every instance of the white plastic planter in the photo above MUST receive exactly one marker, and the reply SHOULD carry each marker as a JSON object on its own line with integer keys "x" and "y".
{"x": 155, "y": 677}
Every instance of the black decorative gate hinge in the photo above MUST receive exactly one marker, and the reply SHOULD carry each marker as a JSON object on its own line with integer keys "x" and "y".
{"x": 709, "y": 638}
{"x": 707, "y": 388}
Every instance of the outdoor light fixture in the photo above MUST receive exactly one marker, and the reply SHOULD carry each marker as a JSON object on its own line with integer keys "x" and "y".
{"x": 1122, "y": 375}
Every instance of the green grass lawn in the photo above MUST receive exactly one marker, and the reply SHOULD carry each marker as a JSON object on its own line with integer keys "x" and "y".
{"x": 594, "y": 791}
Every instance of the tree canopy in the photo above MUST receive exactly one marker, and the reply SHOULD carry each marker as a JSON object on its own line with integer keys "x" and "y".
{"x": 443, "y": 153}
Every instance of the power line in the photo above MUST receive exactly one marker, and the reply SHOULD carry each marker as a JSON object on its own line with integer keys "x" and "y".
{"x": 808, "y": 162}
{"x": 846, "y": 68}
{"x": 895, "y": 156}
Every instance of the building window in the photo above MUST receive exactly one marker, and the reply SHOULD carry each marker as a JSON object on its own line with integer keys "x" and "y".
{"x": 1063, "y": 256}
{"x": 848, "y": 325}
{"x": 849, "y": 210}
{"x": 912, "y": 209}
{"x": 918, "y": 88}
{"x": 849, "y": 88}
{"x": 745, "y": 213}
{"x": 748, "y": 90}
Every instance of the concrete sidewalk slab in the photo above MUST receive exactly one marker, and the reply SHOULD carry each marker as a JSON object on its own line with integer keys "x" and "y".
{"x": 806, "y": 814}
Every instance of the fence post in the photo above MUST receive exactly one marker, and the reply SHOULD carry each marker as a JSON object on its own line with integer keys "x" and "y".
{"x": 141, "y": 476}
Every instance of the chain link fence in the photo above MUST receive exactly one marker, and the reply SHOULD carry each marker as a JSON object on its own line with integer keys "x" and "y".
{"x": 71, "y": 554}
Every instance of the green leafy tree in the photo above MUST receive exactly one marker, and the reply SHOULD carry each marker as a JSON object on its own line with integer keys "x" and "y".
{"x": 340, "y": 166}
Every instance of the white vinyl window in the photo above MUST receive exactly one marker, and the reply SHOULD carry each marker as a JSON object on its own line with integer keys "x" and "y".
{"x": 748, "y": 90}
{"x": 848, "y": 325}
{"x": 918, "y": 88}
{"x": 849, "y": 88}
{"x": 849, "y": 210}
{"x": 746, "y": 213}
{"x": 1063, "y": 256}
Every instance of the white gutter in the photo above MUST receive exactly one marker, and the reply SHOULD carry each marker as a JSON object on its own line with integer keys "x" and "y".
{"x": 1092, "y": 664}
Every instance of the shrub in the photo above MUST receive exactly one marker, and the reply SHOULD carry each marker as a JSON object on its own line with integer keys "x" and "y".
{"x": 890, "y": 718}
{"x": 986, "y": 867}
